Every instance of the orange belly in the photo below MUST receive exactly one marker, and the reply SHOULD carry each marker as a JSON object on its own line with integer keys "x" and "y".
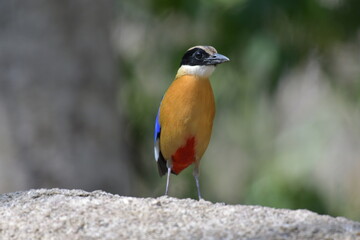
{"x": 186, "y": 117}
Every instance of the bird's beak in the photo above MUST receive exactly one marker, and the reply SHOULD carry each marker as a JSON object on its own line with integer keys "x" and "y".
{"x": 216, "y": 59}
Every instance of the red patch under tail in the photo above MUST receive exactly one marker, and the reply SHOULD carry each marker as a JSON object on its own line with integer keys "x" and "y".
{"x": 184, "y": 156}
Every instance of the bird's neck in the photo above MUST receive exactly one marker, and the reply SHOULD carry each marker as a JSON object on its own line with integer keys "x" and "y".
{"x": 198, "y": 71}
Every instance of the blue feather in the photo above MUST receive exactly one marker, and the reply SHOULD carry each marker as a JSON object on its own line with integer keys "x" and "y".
{"x": 157, "y": 137}
{"x": 161, "y": 162}
{"x": 157, "y": 127}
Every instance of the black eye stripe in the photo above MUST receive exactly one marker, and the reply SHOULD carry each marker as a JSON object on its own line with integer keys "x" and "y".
{"x": 189, "y": 57}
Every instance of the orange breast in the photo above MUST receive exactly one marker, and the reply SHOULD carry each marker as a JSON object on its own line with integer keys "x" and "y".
{"x": 186, "y": 117}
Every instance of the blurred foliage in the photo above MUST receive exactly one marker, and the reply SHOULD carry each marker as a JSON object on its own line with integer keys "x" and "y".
{"x": 284, "y": 102}
{"x": 295, "y": 28}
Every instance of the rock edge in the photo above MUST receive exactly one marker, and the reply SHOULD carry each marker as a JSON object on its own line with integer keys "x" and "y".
{"x": 77, "y": 214}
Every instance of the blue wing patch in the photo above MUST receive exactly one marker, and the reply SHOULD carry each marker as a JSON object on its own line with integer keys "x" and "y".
{"x": 161, "y": 162}
{"x": 157, "y": 136}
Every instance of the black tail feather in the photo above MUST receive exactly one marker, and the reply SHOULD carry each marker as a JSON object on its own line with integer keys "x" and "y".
{"x": 162, "y": 167}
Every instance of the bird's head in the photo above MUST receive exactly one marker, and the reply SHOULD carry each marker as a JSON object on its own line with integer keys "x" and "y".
{"x": 200, "y": 61}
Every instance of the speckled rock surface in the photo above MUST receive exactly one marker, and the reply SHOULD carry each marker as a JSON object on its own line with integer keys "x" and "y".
{"x": 76, "y": 214}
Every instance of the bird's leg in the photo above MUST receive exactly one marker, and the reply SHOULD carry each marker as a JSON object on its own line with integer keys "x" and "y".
{"x": 169, "y": 166}
{"x": 196, "y": 176}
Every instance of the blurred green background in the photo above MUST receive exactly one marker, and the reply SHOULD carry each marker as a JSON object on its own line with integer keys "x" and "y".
{"x": 286, "y": 132}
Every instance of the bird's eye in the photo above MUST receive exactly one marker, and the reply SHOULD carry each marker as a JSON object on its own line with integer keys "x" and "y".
{"x": 198, "y": 55}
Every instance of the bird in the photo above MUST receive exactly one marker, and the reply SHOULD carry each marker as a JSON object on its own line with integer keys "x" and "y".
{"x": 184, "y": 121}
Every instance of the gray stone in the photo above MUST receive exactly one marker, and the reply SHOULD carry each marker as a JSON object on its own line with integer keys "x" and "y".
{"x": 76, "y": 214}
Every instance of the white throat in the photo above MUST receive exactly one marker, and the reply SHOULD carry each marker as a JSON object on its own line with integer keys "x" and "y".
{"x": 204, "y": 71}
